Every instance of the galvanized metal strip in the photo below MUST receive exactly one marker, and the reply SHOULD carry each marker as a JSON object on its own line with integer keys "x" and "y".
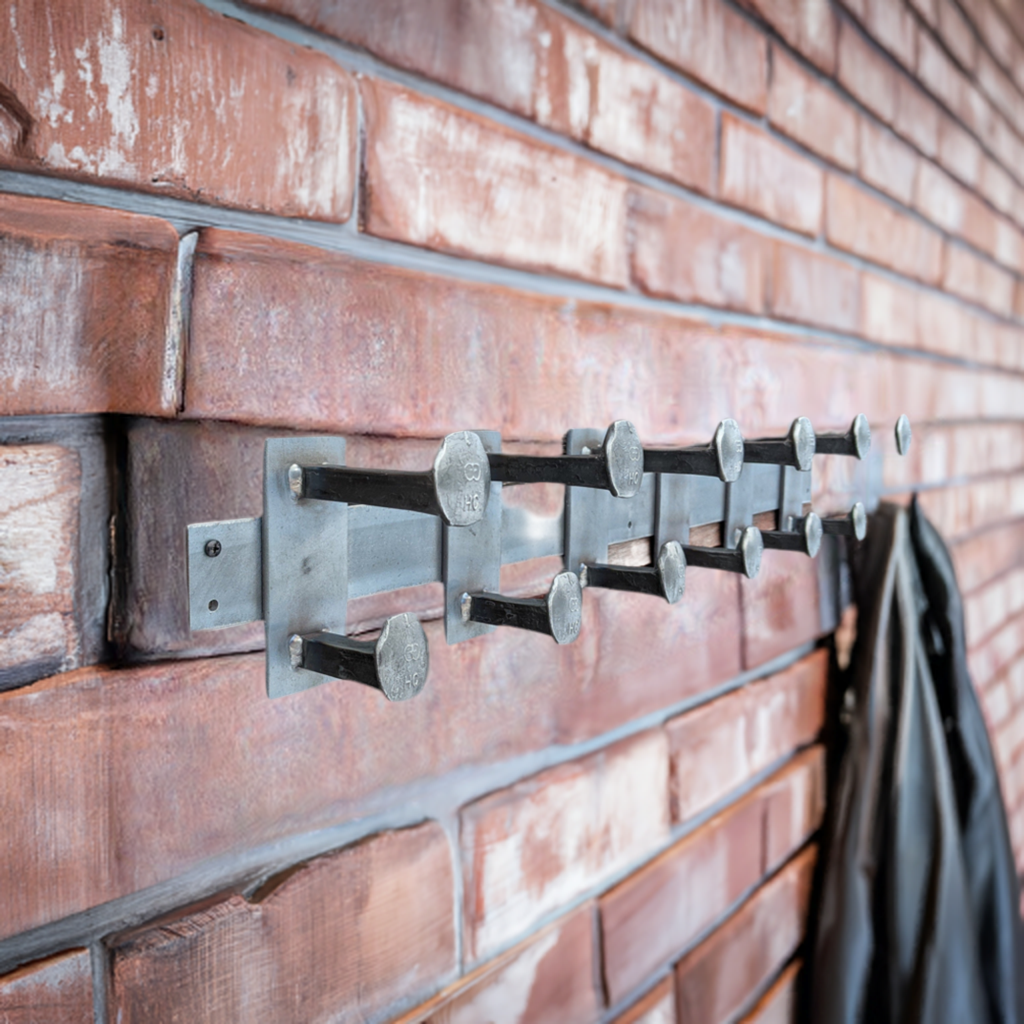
{"x": 225, "y": 587}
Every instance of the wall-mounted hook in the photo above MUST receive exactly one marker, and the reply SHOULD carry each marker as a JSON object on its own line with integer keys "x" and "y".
{"x": 805, "y": 536}
{"x": 856, "y": 441}
{"x": 667, "y": 579}
{"x": 745, "y": 558}
{"x": 456, "y": 488}
{"x": 796, "y": 449}
{"x": 853, "y": 524}
{"x": 904, "y": 435}
{"x": 722, "y": 458}
{"x": 396, "y": 663}
{"x": 617, "y": 466}
{"x": 558, "y": 615}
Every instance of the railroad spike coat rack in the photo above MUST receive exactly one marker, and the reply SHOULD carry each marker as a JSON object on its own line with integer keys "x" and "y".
{"x": 330, "y": 532}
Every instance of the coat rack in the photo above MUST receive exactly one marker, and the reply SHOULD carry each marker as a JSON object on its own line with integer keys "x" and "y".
{"x": 330, "y": 532}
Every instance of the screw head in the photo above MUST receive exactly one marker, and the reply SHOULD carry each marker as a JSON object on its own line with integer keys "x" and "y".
{"x": 728, "y": 444}
{"x": 402, "y": 657}
{"x": 624, "y": 458}
{"x": 860, "y": 430}
{"x": 751, "y": 547}
{"x": 295, "y": 651}
{"x": 565, "y": 607}
{"x": 295, "y": 480}
{"x": 904, "y": 435}
{"x": 813, "y": 531}
{"x": 462, "y": 478}
{"x": 801, "y": 436}
{"x": 672, "y": 570}
{"x": 212, "y": 548}
{"x": 859, "y": 519}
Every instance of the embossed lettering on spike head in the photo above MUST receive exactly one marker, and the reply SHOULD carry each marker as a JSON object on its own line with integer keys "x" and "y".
{"x": 729, "y": 449}
{"x": 672, "y": 570}
{"x": 624, "y": 458}
{"x": 801, "y": 436}
{"x": 751, "y": 547}
{"x": 402, "y": 657}
{"x": 462, "y": 478}
{"x": 565, "y": 607}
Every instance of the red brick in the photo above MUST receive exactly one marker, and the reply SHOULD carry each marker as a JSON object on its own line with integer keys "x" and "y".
{"x": 917, "y": 116}
{"x": 940, "y": 198}
{"x": 345, "y": 937}
{"x": 889, "y": 311}
{"x": 928, "y": 9}
{"x": 766, "y": 177}
{"x": 809, "y": 27}
{"x": 526, "y": 204}
{"x": 996, "y": 34}
{"x": 717, "y": 747}
{"x": 867, "y": 74}
{"x": 85, "y": 297}
{"x": 959, "y": 152}
{"x": 945, "y": 326}
{"x": 963, "y": 508}
{"x": 1009, "y": 245}
{"x": 779, "y": 1004}
{"x": 794, "y": 801}
{"x": 892, "y": 26}
{"x": 39, "y": 513}
{"x": 886, "y": 162}
{"x": 271, "y": 125}
{"x": 800, "y": 106}
{"x": 938, "y": 74}
{"x": 53, "y": 991}
{"x": 1000, "y": 89}
{"x": 604, "y": 10}
{"x": 999, "y": 651}
{"x": 956, "y": 33}
{"x": 685, "y": 252}
{"x": 548, "y": 979}
{"x": 707, "y": 40}
{"x": 537, "y": 846}
{"x": 868, "y": 227}
{"x": 715, "y": 981}
{"x": 657, "y": 1007}
{"x": 978, "y": 280}
{"x": 985, "y": 555}
{"x": 814, "y": 289}
{"x": 651, "y": 917}
{"x": 987, "y": 609}
{"x": 780, "y": 607}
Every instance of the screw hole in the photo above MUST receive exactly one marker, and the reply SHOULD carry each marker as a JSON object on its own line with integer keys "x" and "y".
{"x": 213, "y": 606}
{"x": 629, "y": 525}
{"x": 158, "y": 34}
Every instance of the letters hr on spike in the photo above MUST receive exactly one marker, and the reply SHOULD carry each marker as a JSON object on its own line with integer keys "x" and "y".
{"x": 330, "y": 532}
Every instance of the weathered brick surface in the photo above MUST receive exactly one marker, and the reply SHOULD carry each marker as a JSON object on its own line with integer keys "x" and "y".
{"x": 657, "y": 1007}
{"x": 527, "y": 205}
{"x": 859, "y": 223}
{"x": 809, "y": 28}
{"x": 85, "y": 299}
{"x": 987, "y": 608}
{"x": 887, "y": 162}
{"x": 800, "y": 106}
{"x": 535, "y": 847}
{"x": 766, "y": 177}
{"x": 550, "y": 978}
{"x": 866, "y": 74}
{"x": 39, "y": 509}
{"x": 814, "y": 289}
{"x": 718, "y": 746}
{"x": 707, "y": 40}
{"x": 780, "y": 607}
{"x": 779, "y": 1004}
{"x": 715, "y": 980}
{"x": 107, "y": 89}
{"x": 650, "y": 918}
{"x": 343, "y": 937}
{"x": 53, "y": 991}
{"x": 979, "y": 558}
{"x": 964, "y": 508}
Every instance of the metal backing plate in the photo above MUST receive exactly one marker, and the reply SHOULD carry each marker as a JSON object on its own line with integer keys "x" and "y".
{"x": 471, "y": 558}
{"x": 586, "y": 510}
{"x": 227, "y": 589}
{"x": 305, "y": 558}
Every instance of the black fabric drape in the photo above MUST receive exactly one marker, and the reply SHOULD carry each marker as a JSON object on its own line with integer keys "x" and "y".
{"x": 918, "y": 919}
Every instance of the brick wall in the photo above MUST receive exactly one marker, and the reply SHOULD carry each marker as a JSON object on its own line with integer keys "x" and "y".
{"x": 393, "y": 220}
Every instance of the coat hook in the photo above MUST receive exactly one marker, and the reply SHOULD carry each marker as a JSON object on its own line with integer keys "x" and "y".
{"x": 904, "y": 435}
{"x": 667, "y": 579}
{"x": 805, "y": 536}
{"x": 796, "y": 449}
{"x": 722, "y": 458}
{"x": 617, "y": 466}
{"x": 853, "y": 524}
{"x": 395, "y": 663}
{"x": 456, "y": 488}
{"x": 856, "y": 441}
{"x": 745, "y": 558}
{"x": 559, "y": 614}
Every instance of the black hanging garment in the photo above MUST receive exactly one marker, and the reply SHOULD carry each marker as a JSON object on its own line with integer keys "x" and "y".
{"x": 917, "y": 919}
